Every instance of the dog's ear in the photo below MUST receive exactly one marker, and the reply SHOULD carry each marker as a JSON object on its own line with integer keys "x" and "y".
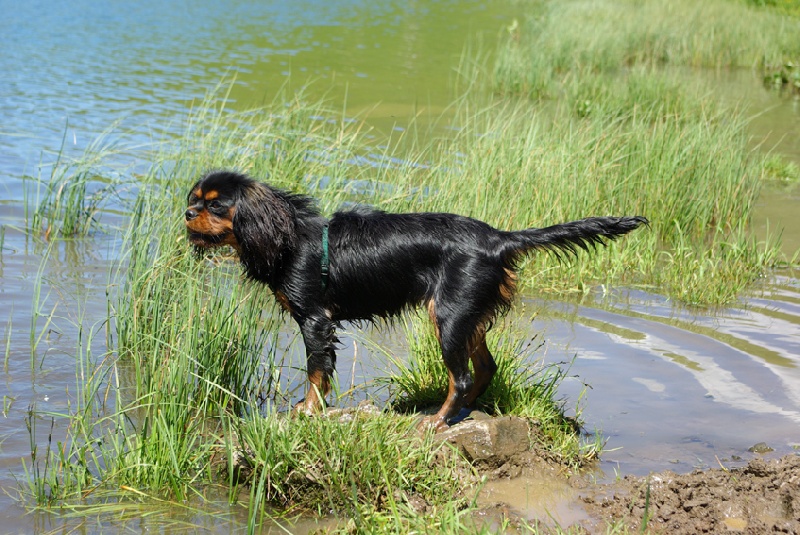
{"x": 264, "y": 227}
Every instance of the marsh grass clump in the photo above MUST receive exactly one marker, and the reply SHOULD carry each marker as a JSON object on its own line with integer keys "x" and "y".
{"x": 193, "y": 371}
{"x": 192, "y": 355}
{"x": 522, "y": 386}
{"x": 563, "y": 44}
{"x": 684, "y": 163}
{"x": 346, "y": 463}
{"x": 70, "y": 199}
{"x": 71, "y": 202}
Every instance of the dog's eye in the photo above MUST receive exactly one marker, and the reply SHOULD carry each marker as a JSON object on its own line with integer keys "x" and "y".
{"x": 214, "y": 205}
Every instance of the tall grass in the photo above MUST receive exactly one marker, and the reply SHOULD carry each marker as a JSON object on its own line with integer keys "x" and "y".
{"x": 192, "y": 371}
{"x": 623, "y": 127}
{"x": 68, "y": 202}
{"x": 193, "y": 355}
{"x": 683, "y": 162}
{"x": 563, "y": 43}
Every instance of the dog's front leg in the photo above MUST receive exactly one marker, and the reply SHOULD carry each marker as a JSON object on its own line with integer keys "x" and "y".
{"x": 320, "y": 339}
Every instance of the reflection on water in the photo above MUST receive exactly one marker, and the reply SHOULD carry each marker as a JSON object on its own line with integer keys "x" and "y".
{"x": 73, "y": 70}
{"x": 678, "y": 389}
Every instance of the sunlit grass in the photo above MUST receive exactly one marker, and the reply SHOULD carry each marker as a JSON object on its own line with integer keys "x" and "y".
{"x": 564, "y": 43}
{"x": 341, "y": 464}
{"x": 522, "y": 386}
{"x": 67, "y": 202}
{"x": 193, "y": 370}
{"x": 193, "y": 363}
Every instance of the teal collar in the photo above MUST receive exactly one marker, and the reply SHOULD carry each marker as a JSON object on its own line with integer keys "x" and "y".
{"x": 325, "y": 264}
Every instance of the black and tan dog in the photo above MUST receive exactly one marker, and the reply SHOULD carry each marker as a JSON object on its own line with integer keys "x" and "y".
{"x": 364, "y": 264}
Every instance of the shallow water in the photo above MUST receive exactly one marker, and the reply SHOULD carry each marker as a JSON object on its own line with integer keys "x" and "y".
{"x": 677, "y": 389}
{"x": 667, "y": 387}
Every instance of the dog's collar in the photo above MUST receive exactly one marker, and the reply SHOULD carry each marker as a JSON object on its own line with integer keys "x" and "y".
{"x": 325, "y": 263}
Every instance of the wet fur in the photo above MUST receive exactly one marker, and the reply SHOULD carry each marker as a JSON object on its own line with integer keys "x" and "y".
{"x": 461, "y": 269}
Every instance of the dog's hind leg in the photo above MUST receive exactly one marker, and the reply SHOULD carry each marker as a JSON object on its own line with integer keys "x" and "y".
{"x": 483, "y": 366}
{"x": 453, "y": 335}
{"x": 320, "y": 339}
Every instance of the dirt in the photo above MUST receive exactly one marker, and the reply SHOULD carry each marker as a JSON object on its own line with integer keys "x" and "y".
{"x": 762, "y": 497}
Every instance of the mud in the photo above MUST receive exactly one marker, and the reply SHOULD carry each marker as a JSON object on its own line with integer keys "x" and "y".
{"x": 524, "y": 485}
{"x": 762, "y": 497}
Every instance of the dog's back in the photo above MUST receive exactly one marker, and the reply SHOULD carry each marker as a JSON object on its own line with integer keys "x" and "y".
{"x": 382, "y": 263}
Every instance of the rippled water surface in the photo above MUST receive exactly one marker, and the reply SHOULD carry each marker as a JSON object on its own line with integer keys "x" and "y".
{"x": 668, "y": 387}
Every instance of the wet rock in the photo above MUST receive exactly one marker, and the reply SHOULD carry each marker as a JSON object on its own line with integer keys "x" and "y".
{"x": 347, "y": 414}
{"x": 761, "y": 447}
{"x": 491, "y": 441}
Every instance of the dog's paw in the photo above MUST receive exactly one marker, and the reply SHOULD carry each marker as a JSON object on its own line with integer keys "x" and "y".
{"x": 434, "y": 422}
{"x": 310, "y": 406}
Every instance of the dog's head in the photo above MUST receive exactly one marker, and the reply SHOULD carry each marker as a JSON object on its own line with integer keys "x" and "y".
{"x": 211, "y": 209}
{"x": 228, "y": 208}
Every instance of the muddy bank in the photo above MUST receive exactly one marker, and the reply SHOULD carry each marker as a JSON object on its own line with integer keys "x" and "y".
{"x": 523, "y": 484}
{"x": 762, "y": 497}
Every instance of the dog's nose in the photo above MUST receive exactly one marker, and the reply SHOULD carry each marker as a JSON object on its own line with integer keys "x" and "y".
{"x": 190, "y": 214}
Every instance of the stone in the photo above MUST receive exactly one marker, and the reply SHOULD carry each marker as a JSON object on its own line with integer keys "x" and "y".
{"x": 761, "y": 447}
{"x": 493, "y": 440}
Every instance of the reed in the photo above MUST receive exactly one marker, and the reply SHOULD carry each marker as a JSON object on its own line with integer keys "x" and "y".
{"x": 68, "y": 202}
{"x": 194, "y": 357}
{"x": 692, "y": 174}
{"x": 563, "y": 43}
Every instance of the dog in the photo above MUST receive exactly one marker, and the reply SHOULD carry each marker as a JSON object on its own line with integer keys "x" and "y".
{"x": 366, "y": 264}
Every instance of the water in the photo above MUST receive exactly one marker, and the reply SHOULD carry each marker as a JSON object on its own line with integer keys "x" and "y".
{"x": 679, "y": 389}
{"x": 668, "y": 387}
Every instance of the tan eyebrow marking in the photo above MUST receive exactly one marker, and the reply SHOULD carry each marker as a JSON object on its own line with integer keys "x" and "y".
{"x": 198, "y": 193}
{"x": 211, "y": 195}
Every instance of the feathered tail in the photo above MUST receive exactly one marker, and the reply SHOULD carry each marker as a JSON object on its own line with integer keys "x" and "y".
{"x": 569, "y": 237}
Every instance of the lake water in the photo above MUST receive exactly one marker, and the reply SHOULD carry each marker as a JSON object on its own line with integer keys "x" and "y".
{"x": 668, "y": 387}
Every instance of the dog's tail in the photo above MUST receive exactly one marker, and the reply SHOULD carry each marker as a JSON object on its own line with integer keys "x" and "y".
{"x": 569, "y": 237}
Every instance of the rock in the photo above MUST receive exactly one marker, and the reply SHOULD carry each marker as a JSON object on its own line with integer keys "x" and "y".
{"x": 479, "y": 415}
{"x": 242, "y": 465}
{"x": 345, "y": 415}
{"x": 493, "y": 441}
{"x": 761, "y": 447}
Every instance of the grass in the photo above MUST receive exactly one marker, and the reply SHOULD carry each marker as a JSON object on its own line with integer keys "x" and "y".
{"x": 789, "y": 7}
{"x": 68, "y": 202}
{"x": 315, "y": 463}
{"x": 691, "y": 174}
{"x": 563, "y": 43}
{"x": 633, "y": 130}
{"x": 521, "y": 387}
{"x": 193, "y": 371}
